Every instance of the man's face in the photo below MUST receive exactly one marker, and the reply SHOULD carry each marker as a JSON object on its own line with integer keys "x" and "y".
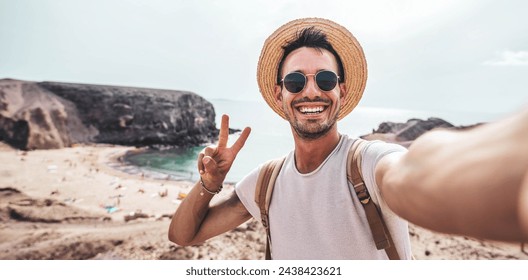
{"x": 311, "y": 112}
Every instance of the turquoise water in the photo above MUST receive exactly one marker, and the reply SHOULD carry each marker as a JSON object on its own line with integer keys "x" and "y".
{"x": 180, "y": 164}
{"x": 271, "y": 136}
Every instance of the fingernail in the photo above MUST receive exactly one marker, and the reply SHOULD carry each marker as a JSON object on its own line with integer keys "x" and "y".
{"x": 206, "y": 160}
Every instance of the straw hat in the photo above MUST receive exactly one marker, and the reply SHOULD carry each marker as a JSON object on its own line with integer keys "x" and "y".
{"x": 343, "y": 42}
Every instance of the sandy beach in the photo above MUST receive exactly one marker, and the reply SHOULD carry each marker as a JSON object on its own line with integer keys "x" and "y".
{"x": 85, "y": 203}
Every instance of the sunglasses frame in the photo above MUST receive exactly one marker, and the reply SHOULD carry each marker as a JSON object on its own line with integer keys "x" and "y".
{"x": 306, "y": 80}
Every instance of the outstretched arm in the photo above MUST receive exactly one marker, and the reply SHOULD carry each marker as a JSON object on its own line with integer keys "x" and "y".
{"x": 195, "y": 220}
{"x": 472, "y": 182}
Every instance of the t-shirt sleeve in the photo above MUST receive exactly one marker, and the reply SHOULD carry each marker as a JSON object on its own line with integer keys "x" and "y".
{"x": 245, "y": 190}
{"x": 370, "y": 156}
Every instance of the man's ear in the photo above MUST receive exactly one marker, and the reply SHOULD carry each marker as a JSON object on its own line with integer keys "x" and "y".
{"x": 342, "y": 92}
{"x": 278, "y": 93}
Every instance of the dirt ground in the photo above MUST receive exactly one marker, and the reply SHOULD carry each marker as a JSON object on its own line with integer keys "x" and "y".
{"x": 74, "y": 204}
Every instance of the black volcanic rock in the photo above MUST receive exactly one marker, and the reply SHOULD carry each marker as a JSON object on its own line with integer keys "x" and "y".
{"x": 47, "y": 115}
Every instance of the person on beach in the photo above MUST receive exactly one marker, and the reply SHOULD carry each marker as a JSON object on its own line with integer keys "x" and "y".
{"x": 312, "y": 72}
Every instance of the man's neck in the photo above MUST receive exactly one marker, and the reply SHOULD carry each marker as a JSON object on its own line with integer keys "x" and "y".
{"x": 310, "y": 154}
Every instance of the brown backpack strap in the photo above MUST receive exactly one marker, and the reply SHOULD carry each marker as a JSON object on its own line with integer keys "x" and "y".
{"x": 264, "y": 189}
{"x": 380, "y": 232}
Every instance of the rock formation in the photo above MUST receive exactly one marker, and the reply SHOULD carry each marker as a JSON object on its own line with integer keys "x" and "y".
{"x": 405, "y": 133}
{"x": 47, "y": 115}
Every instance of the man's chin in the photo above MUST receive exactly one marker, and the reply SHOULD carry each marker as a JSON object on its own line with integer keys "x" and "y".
{"x": 311, "y": 133}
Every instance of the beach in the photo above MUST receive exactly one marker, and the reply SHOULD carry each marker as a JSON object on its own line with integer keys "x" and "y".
{"x": 84, "y": 202}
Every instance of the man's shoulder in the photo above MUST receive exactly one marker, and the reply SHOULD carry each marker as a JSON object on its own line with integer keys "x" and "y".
{"x": 376, "y": 143}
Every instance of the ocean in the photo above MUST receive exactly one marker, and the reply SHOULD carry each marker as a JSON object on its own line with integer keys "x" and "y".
{"x": 271, "y": 136}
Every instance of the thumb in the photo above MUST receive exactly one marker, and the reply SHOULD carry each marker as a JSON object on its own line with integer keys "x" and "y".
{"x": 210, "y": 165}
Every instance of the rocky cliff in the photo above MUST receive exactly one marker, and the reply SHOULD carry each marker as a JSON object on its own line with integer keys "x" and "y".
{"x": 47, "y": 115}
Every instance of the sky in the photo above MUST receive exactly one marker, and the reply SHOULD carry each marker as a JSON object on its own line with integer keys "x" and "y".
{"x": 464, "y": 56}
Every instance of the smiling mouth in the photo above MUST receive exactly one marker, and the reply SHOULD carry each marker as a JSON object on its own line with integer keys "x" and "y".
{"x": 313, "y": 110}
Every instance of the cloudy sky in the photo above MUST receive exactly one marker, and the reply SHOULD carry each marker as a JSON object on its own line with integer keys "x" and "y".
{"x": 423, "y": 55}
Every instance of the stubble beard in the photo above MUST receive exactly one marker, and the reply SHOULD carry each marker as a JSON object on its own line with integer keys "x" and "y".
{"x": 311, "y": 129}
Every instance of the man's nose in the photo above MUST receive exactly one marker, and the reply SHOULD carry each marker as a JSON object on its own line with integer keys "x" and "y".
{"x": 311, "y": 90}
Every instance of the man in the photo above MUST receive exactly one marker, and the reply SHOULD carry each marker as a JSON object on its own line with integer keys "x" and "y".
{"x": 312, "y": 72}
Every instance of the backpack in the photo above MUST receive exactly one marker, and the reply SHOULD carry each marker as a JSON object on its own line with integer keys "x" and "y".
{"x": 381, "y": 235}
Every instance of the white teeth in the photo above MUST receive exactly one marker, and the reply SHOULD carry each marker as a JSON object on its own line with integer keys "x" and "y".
{"x": 312, "y": 110}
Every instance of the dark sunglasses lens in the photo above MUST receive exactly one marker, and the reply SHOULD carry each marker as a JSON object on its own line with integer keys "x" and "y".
{"x": 294, "y": 82}
{"x": 326, "y": 80}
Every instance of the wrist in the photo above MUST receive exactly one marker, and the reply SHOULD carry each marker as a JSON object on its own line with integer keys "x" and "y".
{"x": 210, "y": 188}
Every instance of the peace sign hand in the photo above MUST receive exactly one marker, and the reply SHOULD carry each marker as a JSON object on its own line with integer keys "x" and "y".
{"x": 214, "y": 162}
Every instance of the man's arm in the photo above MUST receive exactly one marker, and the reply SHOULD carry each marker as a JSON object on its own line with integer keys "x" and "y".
{"x": 463, "y": 182}
{"x": 195, "y": 220}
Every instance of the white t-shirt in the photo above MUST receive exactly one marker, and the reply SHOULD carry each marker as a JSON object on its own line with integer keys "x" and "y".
{"x": 315, "y": 215}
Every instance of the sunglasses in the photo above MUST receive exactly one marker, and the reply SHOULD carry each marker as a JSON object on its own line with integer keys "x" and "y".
{"x": 295, "y": 82}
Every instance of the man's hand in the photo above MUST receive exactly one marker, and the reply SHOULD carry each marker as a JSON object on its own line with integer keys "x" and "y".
{"x": 195, "y": 220}
{"x": 214, "y": 162}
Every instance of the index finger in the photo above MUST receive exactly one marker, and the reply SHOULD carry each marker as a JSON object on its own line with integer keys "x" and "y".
{"x": 224, "y": 131}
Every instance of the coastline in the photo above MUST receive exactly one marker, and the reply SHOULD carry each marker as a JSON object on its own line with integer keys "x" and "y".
{"x": 81, "y": 203}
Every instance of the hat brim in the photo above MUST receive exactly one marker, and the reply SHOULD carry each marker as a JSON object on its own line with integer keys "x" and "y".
{"x": 343, "y": 42}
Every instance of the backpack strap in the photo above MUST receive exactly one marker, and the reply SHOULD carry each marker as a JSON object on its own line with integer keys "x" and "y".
{"x": 380, "y": 232}
{"x": 264, "y": 189}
